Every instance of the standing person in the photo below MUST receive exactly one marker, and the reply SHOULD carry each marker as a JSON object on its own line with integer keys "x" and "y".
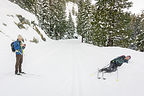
{"x": 19, "y": 47}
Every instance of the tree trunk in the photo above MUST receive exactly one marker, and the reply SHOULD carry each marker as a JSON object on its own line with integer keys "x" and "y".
{"x": 50, "y": 2}
{"x": 110, "y": 42}
{"x": 82, "y": 39}
{"x": 35, "y": 8}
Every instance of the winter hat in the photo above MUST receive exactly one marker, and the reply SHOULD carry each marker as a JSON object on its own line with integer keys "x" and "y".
{"x": 129, "y": 56}
{"x": 20, "y": 37}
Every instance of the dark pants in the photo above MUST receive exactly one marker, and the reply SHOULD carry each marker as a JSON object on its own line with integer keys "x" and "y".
{"x": 19, "y": 60}
{"x": 111, "y": 68}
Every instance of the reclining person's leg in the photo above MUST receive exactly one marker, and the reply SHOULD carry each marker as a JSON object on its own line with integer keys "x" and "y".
{"x": 102, "y": 71}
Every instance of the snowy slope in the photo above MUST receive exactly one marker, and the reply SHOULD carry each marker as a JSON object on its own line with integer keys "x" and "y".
{"x": 63, "y": 68}
{"x": 9, "y": 21}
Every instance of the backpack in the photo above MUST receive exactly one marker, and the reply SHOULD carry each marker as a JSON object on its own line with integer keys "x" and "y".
{"x": 12, "y": 47}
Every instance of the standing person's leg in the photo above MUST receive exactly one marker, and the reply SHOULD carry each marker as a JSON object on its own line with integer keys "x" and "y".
{"x": 20, "y": 65}
{"x": 17, "y": 64}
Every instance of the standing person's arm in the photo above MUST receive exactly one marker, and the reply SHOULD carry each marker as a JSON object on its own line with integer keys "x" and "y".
{"x": 23, "y": 46}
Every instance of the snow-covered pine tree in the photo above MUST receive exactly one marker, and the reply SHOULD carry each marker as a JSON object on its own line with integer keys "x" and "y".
{"x": 52, "y": 18}
{"x": 84, "y": 20}
{"x": 140, "y": 42}
{"x": 57, "y": 19}
{"x": 70, "y": 28}
{"x": 110, "y": 23}
{"x": 43, "y": 16}
{"x": 135, "y": 28}
{"x": 140, "y": 37}
{"x": 138, "y": 32}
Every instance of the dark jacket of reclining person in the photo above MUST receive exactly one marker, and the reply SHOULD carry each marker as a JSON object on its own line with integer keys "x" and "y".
{"x": 117, "y": 62}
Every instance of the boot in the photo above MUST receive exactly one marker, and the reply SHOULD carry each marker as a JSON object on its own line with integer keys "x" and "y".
{"x": 17, "y": 74}
{"x": 22, "y": 72}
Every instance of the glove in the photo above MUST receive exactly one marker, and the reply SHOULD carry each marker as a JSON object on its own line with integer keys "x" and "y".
{"x": 23, "y": 45}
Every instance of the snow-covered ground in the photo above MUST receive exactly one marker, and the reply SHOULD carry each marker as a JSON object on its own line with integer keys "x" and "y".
{"x": 67, "y": 68}
{"x": 62, "y": 68}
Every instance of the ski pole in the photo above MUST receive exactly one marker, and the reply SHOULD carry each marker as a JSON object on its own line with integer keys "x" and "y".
{"x": 117, "y": 76}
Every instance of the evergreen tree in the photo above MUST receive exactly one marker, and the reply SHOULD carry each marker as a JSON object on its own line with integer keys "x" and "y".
{"x": 57, "y": 19}
{"x": 84, "y": 20}
{"x": 140, "y": 37}
{"x": 110, "y": 23}
{"x": 70, "y": 28}
{"x": 134, "y": 26}
{"x": 43, "y": 16}
{"x": 140, "y": 42}
{"x": 52, "y": 18}
{"x": 137, "y": 36}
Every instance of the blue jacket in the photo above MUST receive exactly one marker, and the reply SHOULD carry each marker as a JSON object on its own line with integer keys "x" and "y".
{"x": 18, "y": 48}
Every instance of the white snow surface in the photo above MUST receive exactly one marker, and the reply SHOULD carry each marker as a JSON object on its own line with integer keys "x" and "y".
{"x": 65, "y": 67}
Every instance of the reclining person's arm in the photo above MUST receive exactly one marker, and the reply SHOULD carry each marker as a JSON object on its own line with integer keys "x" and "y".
{"x": 126, "y": 61}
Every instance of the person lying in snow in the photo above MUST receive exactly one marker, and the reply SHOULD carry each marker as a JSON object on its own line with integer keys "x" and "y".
{"x": 114, "y": 64}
